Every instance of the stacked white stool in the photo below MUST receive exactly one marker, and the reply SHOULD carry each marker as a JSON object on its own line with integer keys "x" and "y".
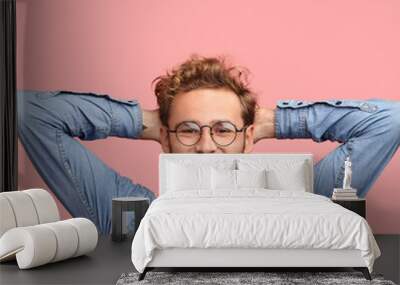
{"x": 31, "y": 231}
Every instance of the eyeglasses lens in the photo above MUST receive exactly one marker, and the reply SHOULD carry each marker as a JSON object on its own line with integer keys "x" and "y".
{"x": 223, "y": 133}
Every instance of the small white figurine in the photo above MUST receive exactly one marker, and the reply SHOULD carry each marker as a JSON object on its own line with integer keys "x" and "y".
{"x": 347, "y": 174}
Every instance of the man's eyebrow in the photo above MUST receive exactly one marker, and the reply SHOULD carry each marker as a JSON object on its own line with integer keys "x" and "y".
{"x": 220, "y": 120}
{"x": 217, "y": 120}
{"x": 211, "y": 122}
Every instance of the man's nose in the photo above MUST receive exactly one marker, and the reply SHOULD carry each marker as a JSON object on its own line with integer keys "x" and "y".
{"x": 206, "y": 143}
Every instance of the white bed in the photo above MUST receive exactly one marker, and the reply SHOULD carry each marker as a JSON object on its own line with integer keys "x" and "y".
{"x": 200, "y": 223}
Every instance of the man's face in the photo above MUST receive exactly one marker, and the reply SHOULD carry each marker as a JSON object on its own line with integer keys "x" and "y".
{"x": 205, "y": 106}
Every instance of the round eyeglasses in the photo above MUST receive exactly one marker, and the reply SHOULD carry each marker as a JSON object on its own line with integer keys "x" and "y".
{"x": 223, "y": 133}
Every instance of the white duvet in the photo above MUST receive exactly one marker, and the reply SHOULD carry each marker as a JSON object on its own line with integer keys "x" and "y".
{"x": 251, "y": 218}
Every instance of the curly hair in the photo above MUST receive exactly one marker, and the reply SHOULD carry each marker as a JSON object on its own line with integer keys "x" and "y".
{"x": 204, "y": 72}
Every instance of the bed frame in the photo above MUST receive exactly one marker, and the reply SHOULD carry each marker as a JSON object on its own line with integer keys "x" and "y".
{"x": 247, "y": 259}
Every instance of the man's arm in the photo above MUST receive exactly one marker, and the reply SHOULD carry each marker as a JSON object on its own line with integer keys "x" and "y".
{"x": 49, "y": 122}
{"x": 368, "y": 130}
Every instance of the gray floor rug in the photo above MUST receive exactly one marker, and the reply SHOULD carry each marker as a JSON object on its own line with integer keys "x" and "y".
{"x": 231, "y": 278}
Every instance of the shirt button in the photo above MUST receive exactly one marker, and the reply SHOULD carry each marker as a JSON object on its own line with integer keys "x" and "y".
{"x": 338, "y": 103}
{"x": 365, "y": 107}
{"x": 285, "y": 103}
{"x": 299, "y": 103}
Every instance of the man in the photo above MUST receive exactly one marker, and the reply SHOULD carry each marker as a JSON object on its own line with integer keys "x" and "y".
{"x": 205, "y": 106}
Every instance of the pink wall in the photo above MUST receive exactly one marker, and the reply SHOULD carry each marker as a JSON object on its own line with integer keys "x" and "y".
{"x": 295, "y": 49}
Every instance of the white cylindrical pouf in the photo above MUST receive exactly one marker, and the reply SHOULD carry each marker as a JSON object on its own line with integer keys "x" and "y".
{"x": 87, "y": 233}
{"x": 23, "y": 208}
{"x": 45, "y": 205}
{"x": 7, "y": 218}
{"x": 67, "y": 239}
{"x": 40, "y": 244}
{"x": 34, "y": 245}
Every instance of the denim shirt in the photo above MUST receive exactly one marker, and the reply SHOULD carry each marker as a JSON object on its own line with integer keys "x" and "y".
{"x": 369, "y": 132}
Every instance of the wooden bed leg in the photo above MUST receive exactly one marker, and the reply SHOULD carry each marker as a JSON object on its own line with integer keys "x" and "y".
{"x": 143, "y": 274}
{"x": 364, "y": 271}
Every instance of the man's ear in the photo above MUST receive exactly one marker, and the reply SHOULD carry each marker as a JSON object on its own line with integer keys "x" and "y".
{"x": 249, "y": 139}
{"x": 164, "y": 140}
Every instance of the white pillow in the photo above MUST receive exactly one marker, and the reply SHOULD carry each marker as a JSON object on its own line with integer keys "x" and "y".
{"x": 181, "y": 177}
{"x": 282, "y": 174}
{"x": 223, "y": 179}
{"x": 251, "y": 178}
{"x": 228, "y": 179}
{"x": 290, "y": 179}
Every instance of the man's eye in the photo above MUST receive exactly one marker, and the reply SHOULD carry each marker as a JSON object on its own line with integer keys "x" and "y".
{"x": 226, "y": 130}
{"x": 189, "y": 131}
{"x": 223, "y": 129}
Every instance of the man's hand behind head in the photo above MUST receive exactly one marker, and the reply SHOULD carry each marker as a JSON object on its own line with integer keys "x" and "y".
{"x": 151, "y": 125}
{"x": 264, "y": 124}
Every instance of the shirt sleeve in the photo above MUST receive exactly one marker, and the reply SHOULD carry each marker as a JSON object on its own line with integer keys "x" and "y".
{"x": 49, "y": 122}
{"x": 91, "y": 116}
{"x": 368, "y": 130}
